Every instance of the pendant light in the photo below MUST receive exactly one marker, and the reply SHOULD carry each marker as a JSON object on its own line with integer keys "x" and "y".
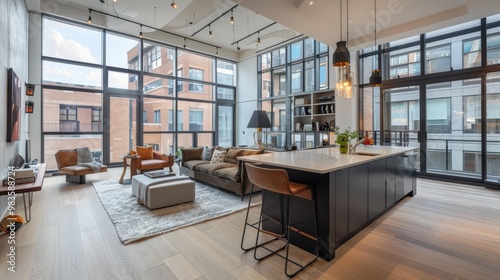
{"x": 375, "y": 78}
{"x": 341, "y": 62}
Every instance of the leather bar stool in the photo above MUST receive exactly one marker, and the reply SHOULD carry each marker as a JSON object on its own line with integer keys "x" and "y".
{"x": 277, "y": 181}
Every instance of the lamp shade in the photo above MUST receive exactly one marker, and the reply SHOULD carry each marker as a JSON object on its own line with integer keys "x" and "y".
{"x": 375, "y": 78}
{"x": 341, "y": 56}
{"x": 259, "y": 119}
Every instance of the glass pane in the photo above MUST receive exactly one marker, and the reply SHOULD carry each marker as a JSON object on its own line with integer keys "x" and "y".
{"x": 163, "y": 142}
{"x": 266, "y": 61}
{"x": 197, "y": 116}
{"x": 296, "y": 51}
{"x": 71, "y": 41}
{"x": 368, "y": 64}
{"x": 225, "y": 132}
{"x": 323, "y": 73}
{"x": 71, "y": 111}
{"x": 123, "y": 80}
{"x": 123, "y": 127}
{"x": 194, "y": 90}
{"x": 404, "y": 63}
{"x": 493, "y": 126}
{"x": 205, "y": 139}
{"x": 156, "y": 115}
{"x": 308, "y": 47}
{"x": 322, "y": 47}
{"x": 226, "y": 73}
{"x": 309, "y": 79}
{"x": 266, "y": 84}
{"x": 472, "y": 53}
{"x": 196, "y": 66}
{"x": 158, "y": 59}
{"x": 279, "y": 57}
{"x": 279, "y": 82}
{"x": 450, "y": 29}
{"x": 278, "y": 120}
{"x": 185, "y": 140}
{"x": 122, "y": 51}
{"x": 225, "y": 93}
{"x": 158, "y": 87}
{"x": 454, "y": 53}
{"x": 493, "y": 46}
{"x": 296, "y": 79}
{"x": 62, "y": 74}
{"x": 453, "y": 118}
{"x": 54, "y": 143}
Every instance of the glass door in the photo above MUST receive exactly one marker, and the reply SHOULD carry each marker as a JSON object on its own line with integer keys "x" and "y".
{"x": 122, "y": 126}
{"x": 493, "y": 127}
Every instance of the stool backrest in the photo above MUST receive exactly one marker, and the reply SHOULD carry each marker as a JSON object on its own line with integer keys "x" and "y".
{"x": 275, "y": 180}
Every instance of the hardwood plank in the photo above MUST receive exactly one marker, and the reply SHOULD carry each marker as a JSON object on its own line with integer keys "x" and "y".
{"x": 46, "y": 260}
{"x": 86, "y": 219}
{"x": 181, "y": 267}
{"x": 160, "y": 272}
{"x": 96, "y": 256}
{"x": 72, "y": 257}
{"x": 143, "y": 254}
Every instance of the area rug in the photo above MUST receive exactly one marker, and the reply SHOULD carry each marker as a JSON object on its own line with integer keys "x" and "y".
{"x": 135, "y": 222}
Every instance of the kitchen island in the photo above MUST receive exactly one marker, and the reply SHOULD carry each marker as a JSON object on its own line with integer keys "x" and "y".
{"x": 352, "y": 190}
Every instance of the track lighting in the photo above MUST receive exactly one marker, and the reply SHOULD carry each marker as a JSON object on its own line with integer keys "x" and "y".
{"x": 140, "y": 33}
{"x": 114, "y": 1}
{"x": 232, "y": 18}
{"x": 237, "y": 47}
{"x": 217, "y": 51}
{"x": 184, "y": 46}
{"x": 258, "y": 38}
{"x": 89, "y": 21}
{"x": 173, "y": 5}
{"x": 210, "y": 32}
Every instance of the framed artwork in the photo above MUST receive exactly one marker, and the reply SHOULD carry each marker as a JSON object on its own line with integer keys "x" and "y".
{"x": 13, "y": 106}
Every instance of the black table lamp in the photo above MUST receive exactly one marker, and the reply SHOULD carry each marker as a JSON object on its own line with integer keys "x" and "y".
{"x": 259, "y": 120}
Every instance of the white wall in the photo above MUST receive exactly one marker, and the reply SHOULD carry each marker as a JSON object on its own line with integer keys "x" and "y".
{"x": 246, "y": 100}
{"x": 35, "y": 77}
{"x": 13, "y": 54}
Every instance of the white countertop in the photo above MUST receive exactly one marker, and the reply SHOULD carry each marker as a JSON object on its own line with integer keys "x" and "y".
{"x": 325, "y": 160}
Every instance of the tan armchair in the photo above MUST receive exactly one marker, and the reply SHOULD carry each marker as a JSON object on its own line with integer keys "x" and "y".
{"x": 152, "y": 160}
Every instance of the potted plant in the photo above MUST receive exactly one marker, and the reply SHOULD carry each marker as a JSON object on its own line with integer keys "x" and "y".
{"x": 344, "y": 138}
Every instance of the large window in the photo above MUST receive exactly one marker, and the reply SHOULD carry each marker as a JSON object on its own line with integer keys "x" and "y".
{"x": 89, "y": 72}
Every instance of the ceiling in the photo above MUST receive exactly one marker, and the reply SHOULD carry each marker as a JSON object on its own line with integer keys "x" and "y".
{"x": 396, "y": 19}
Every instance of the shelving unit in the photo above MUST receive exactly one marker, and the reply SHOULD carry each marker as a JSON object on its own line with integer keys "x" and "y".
{"x": 307, "y": 109}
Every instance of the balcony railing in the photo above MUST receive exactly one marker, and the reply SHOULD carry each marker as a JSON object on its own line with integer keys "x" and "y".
{"x": 72, "y": 127}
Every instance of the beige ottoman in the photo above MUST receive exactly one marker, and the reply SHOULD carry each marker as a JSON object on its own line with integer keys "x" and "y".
{"x": 162, "y": 192}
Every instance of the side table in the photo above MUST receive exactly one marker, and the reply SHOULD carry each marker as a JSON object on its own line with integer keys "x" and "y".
{"x": 133, "y": 169}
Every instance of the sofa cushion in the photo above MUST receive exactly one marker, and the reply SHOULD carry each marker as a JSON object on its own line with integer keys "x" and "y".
{"x": 210, "y": 168}
{"x": 80, "y": 170}
{"x": 231, "y": 155}
{"x": 66, "y": 158}
{"x": 193, "y": 163}
{"x": 208, "y": 152}
{"x": 218, "y": 156}
{"x": 192, "y": 154}
{"x": 145, "y": 152}
{"x": 230, "y": 173}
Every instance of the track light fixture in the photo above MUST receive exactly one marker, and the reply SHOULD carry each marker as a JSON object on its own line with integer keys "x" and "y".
{"x": 237, "y": 47}
{"x": 89, "y": 21}
{"x": 173, "y": 5}
{"x": 232, "y": 17}
{"x": 140, "y": 33}
{"x": 114, "y": 1}
{"x": 258, "y": 38}
{"x": 210, "y": 32}
{"x": 184, "y": 46}
{"x": 217, "y": 51}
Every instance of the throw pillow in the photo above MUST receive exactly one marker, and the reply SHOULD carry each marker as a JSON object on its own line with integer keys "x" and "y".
{"x": 231, "y": 155}
{"x": 208, "y": 152}
{"x": 145, "y": 152}
{"x": 218, "y": 156}
{"x": 191, "y": 154}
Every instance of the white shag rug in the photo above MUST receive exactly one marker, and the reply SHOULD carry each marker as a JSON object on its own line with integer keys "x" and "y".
{"x": 135, "y": 222}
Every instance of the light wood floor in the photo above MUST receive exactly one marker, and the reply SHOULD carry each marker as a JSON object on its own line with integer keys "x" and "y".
{"x": 448, "y": 231}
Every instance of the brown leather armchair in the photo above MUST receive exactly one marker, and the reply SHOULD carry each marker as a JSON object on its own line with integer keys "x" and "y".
{"x": 159, "y": 161}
